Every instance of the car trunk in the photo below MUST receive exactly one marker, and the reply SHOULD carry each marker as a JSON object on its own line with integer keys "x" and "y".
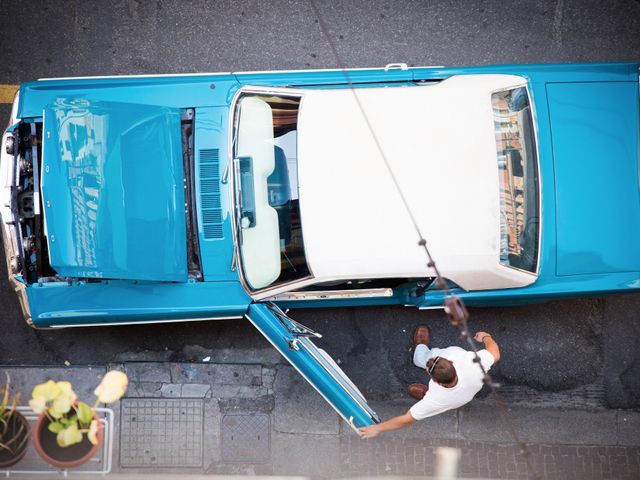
{"x": 595, "y": 150}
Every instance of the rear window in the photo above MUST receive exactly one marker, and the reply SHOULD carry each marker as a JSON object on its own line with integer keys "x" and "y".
{"x": 518, "y": 175}
{"x": 268, "y": 225}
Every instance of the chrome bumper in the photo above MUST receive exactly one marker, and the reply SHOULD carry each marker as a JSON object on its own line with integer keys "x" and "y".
{"x": 10, "y": 235}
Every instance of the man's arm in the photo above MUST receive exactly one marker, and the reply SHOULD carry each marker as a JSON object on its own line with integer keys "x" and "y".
{"x": 489, "y": 343}
{"x": 394, "y": 423}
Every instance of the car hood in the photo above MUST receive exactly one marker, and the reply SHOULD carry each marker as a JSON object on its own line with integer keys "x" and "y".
{"x": 112, "y": 188}
{"x": 595, "y": 151}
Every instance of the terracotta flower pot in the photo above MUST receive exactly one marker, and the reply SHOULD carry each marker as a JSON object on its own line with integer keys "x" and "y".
{"x": 18, "y": 431}
{"x": 44, "y": 442}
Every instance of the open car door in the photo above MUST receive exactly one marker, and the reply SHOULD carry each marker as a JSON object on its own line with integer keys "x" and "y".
{"x": 292, "y": 340}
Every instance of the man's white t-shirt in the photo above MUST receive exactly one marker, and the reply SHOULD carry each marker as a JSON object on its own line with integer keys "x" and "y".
{"x": 439, "y": 399}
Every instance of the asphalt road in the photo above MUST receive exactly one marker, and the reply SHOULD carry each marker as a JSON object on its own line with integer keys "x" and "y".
{"x": 549, "y": 347}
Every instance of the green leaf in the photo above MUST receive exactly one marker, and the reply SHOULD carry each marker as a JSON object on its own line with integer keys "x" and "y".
{"x": 66, "y": 421}
{"x": 55, "y": 427}
{"x": 85, "y": 414}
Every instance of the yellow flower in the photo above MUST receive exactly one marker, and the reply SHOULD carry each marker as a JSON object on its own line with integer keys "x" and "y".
{"x": 67, "y": 391}
{"x": 93, "y": 432}
{"x": 112, "y": 387}
{"x": 49, "y": 391}
{"x": 60, "y": 405}
{"x": 38, "y": 405}
{"x": 69, "y": 436}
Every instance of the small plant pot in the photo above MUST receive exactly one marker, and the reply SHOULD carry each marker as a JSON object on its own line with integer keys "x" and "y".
{"x": 17, "y": 438}
{"x": 44, "y": 442}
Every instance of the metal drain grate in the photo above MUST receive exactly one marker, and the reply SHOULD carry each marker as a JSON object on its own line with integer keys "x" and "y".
{"x": 245, "y": 438}
{"x": 161, "y": 432}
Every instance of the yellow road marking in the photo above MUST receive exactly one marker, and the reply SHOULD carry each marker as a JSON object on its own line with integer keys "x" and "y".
{"x": 7, "y": 92}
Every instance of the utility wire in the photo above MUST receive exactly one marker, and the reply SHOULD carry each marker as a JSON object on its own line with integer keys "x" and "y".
{"x": 454, "y": 307}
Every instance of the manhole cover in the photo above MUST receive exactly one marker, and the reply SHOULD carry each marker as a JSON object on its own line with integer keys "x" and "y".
{"x": 245, "y": 438}
{"x": 161, "y": 432}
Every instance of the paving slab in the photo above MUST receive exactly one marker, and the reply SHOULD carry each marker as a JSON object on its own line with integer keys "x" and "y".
{"x": 224, "y": 392}
{"x": 265, "y": 355}
{"x": 444, "y": 425}
{"x": 483, "y": 422}
{"x": 144, "y": 389}
{"x": 148, "y": 372}
{"x": 299, "y": 408}
{"x": 171, "y": 390}
{"x": 257, "y": 403}
{"x": 628, "y": 428}
{"x": 83, "y": 379}
{"x": 268, "y": 377}
{"x": 315, "y": 456}
{"x": 211, "y": 434}
{"x": 216, "y": 374}
{"x": 195, "y": 390}
{"x": 387, "y": 456}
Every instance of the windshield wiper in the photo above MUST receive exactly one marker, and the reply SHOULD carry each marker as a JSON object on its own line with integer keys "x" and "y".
{"x": 238, "y": 199}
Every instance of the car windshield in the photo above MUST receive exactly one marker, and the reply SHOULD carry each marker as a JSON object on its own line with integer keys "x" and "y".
{"x": 266, "y": 190}
{"x": 518, "y": 170}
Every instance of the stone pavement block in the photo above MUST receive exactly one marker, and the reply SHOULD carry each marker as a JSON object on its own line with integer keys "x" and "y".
{"x": 483, "y": 422}
{"x": 268, "y": 376}
{"x": 195, "y": 390}
{"x": 299, "y": 408}
{"x": 444, "y": 425}
{"x": 216, "y": 374}
{"x": 315, "y": 456}
{"x": 211, "y": 436}
{"x": 169, "y": 390}
{"x": 265, "y": 355}
{"x": 256, "y": 404}
{"x": 144, "y": 389}
{"x": 224, "y": 392}
{"x": 147, "y": 372}
{"x": 386, "y": 455}
{"x": 83, "y": 379}
{"x": 628, "y": 428}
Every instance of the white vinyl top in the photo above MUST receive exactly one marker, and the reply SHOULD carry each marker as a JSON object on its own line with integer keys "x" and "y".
{"x": 440, "y": 142}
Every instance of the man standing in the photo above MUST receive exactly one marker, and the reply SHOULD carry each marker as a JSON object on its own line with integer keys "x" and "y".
{"x": 455, "y": 379}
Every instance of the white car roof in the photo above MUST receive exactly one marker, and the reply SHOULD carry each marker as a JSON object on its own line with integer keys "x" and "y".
{"x": 439, "y": 140}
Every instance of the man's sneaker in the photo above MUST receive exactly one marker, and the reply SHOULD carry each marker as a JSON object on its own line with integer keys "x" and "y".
{"x": 417, "y": 390}
{"x": 422, "y": 335}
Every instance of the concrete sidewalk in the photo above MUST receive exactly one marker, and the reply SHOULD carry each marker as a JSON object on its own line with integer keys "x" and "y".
{"x": 263, "y": 419}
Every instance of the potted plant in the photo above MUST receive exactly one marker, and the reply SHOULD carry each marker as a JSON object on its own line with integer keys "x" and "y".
{"x": 14, "y": 429}
{"x": 68, "y": 432}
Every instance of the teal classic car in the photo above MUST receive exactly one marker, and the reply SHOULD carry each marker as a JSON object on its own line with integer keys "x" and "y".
{"x": 217, "y": 196}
